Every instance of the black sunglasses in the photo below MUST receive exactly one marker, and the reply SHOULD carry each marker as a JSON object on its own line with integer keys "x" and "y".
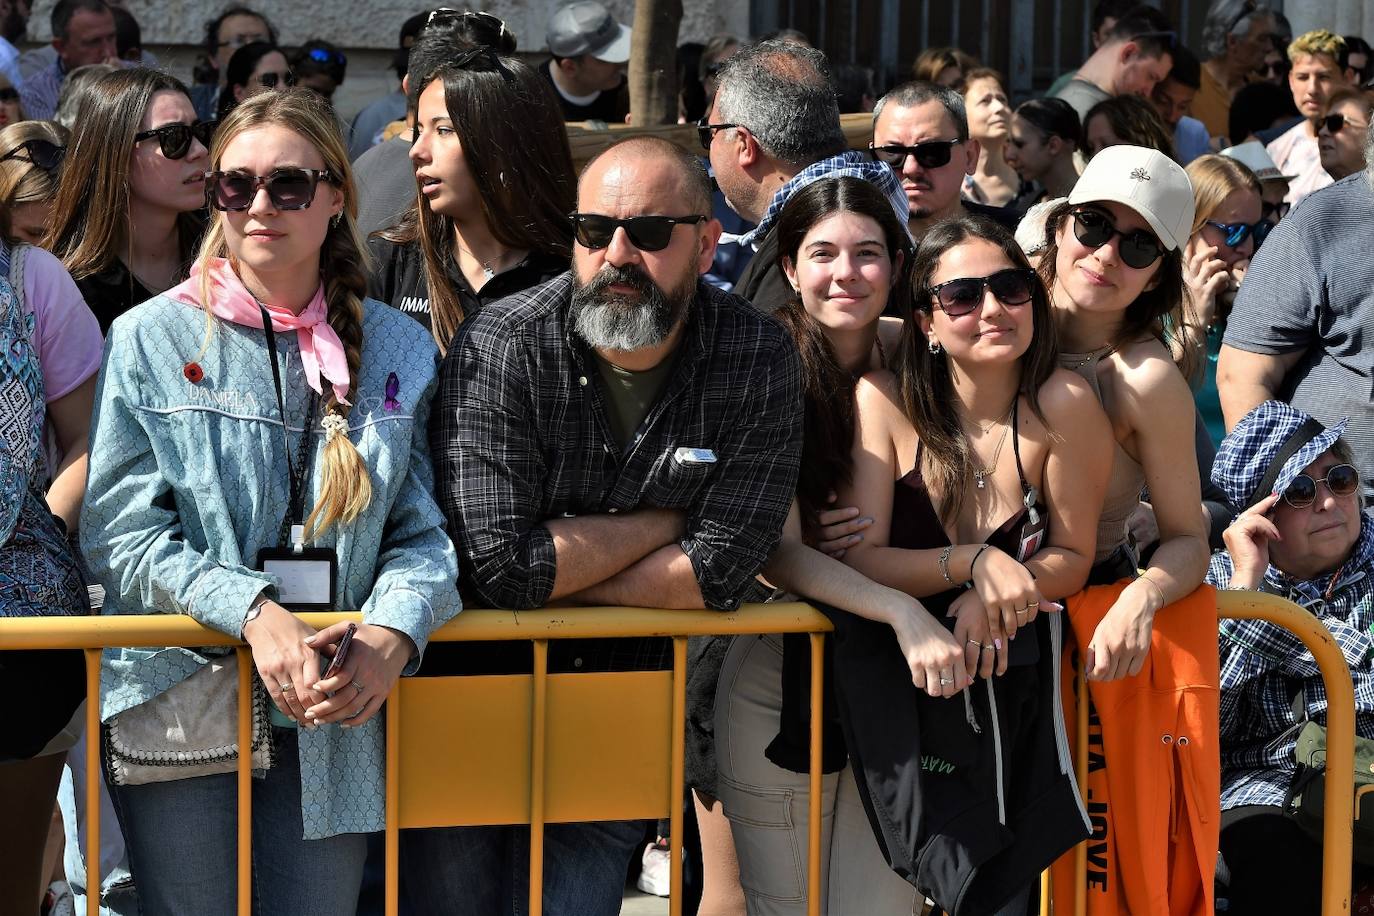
{"x": 1341, "y": 480}
{"x": 1335, "y": 123}
{"x": 175, "y": 139}
{"x": 1235, "y": 234}
{"x": 289, "y": 189}
{"x": 707, "y": 132}
{"x": 930, "y": 154}
{"x": 271, "y": 80}
{"x": 43, "y": 153}
{"x": 1139, "y": 249}
{"x": 1275, "y": 69}
{"x": 1273, "y": 212}
{"x": 1013, "y": 286}
{"x": 647, "y": 233}
{"x": 9, "y": 94}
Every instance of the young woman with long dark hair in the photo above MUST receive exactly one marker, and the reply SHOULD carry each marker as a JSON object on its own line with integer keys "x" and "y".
{"x": 126, "y": 219}
{"x": 496, "y": 185}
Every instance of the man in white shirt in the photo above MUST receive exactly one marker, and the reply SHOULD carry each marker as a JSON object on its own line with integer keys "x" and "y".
{"x": 1317, "y": 72}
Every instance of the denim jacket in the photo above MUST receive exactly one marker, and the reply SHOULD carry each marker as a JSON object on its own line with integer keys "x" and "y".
{"x": 188, "y": 481}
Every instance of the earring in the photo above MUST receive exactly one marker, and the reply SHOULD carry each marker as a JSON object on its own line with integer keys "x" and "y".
{"x": 335, "y": 220}
{"x": 933, "y": 346}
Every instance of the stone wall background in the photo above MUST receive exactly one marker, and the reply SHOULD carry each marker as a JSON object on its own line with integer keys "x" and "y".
{"x": 367, "y": 29}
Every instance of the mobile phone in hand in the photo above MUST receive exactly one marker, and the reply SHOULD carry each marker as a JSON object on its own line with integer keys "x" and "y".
{"x": 344, "y": 643}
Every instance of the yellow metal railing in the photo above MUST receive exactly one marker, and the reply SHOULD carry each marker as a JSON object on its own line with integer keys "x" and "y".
{"x": 1338, "y": 823}
{"x": 548, "y": 797}
{"x": 566, "y": 713}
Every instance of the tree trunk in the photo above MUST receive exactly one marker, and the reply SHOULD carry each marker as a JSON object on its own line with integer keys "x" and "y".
{"x": 653, "y": 62}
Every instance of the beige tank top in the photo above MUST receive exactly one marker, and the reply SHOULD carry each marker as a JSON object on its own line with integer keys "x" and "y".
{"x": 1128, "y": 478}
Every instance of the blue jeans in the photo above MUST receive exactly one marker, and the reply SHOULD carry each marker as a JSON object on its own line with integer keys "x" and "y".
{"x": 182, "y": 835}
{"x": 484, "y": 871}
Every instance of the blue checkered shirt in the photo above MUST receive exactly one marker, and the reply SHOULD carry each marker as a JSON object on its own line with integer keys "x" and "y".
{"x": 40, "y": 92}
{"x": 849, "y": 164}
{"x": 1264, "y": 666}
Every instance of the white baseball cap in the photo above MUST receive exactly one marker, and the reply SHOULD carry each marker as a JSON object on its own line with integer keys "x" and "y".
{"x": 1148, "y": 182}
{"x": 1257, "y": 159}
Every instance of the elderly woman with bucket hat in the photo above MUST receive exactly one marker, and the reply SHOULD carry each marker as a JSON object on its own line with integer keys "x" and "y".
{"x": 1301, "y": 533}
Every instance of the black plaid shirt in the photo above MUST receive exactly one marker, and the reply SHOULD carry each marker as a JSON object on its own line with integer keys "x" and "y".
{"x": 520, "y": 434}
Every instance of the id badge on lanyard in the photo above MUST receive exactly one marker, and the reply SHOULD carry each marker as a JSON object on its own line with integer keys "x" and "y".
{"x": 308, "y": 575}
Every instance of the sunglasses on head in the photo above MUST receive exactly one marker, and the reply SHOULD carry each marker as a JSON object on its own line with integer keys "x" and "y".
{"x": 930, "y": 154}
{"x": 1235, "y": 234}
{"x": 484, "y": 20}
{"x": 43, "y": 153}
{"x": 326, "y": 56}
{"x": 647, "y": 233}
{"x": 706, "y": 132}
{"x": 1013, "y": 286}
{"x": 1341, "y": 480}
{"x": 272, "y": 80}
{"x": 289, "y": 189}
{"x": 175, "y": 139}
{"x": 1138, "y": 249}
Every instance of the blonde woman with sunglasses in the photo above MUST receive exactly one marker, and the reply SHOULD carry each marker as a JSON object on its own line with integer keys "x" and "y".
{"x": 261, "y": 447}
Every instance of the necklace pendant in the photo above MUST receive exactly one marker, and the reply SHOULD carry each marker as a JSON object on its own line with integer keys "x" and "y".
{"x": 488, "y": 272}
{"x": 978, "y": 476}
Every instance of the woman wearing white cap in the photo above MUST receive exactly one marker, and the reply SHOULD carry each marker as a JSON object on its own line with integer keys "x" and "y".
{"x": 1114, "y": 270}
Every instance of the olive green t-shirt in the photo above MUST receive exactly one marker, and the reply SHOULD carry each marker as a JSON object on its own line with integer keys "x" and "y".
{"x": 631, "y": 395}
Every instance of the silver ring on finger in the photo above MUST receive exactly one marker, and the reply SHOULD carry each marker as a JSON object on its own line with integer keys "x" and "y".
{"x": 1033, "y": 604}
{"x": 945, "y": 681}
{"x": 284, "y": 687}
{"x": 358, "y": 687}
{"x": 989, "y": 647}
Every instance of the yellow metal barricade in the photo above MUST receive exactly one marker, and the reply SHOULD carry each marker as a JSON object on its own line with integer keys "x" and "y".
{"x": 501, "y": 749}
{"x": 1338, "y": 817}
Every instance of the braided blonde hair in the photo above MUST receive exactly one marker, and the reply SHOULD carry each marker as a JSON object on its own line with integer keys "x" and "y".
{"x": 345, "y": 483}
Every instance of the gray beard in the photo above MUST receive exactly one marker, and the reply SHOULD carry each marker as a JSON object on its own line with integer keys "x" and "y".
{"x": 607, "y": 321}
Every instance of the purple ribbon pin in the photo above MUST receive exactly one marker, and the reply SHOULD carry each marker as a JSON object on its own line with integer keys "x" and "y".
{"x": 393, "y": 388}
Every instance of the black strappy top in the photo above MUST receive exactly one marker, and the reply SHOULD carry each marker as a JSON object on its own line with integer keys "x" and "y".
{"x": 917, "y": 526}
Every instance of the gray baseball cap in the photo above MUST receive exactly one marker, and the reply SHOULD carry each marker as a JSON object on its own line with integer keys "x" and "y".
{"x": 587, "y": 27}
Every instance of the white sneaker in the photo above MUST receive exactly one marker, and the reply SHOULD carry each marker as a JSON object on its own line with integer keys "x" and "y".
{"x": 655, "y": 870}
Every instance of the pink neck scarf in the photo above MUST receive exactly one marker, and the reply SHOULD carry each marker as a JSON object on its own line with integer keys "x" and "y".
{"x": 321, "y": 350}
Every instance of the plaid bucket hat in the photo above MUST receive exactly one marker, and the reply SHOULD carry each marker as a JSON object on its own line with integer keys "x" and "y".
{"x": 1268, "y": 448}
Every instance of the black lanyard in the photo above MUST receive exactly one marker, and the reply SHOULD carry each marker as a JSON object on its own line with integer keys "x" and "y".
{"x": 295, "y": 513}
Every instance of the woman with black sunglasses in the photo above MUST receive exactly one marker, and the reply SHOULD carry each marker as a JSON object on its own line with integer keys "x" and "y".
{"x": 1114, "y": 270}
{"x": 258, "y": 66}
{"x": 1301, "y": 534}
{"x": 1228, "y": 227}
{"x": 979, "y": 461}
{"x": 127, "y": 217}
{"x": 31, "y": 154}
{"x": 495, "y": 182}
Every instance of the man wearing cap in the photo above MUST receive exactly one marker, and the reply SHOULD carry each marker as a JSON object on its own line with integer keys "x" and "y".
{"x": 1299, "y": 329}
{"x": 587, "y": 69}
{"x": 773, "y": 128}
{"x": 1273, "y": 183}
{"x": 1301, "y": 534}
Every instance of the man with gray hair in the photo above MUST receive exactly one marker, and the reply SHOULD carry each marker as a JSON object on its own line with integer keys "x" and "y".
{"x": 1299, "y": 329}
{"x": 622, "y": 435}
{"x": 773, "y": 128}
{"x": 920, "y": 131}
{"x": 1235, "y": 37}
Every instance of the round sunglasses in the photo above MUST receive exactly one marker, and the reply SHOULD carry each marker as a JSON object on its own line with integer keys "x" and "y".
{"x": 175, "y": 139}
{"x": 594, "y": 231}
{"x": 1341, "y": 480}
{"x": 1235, "y": 234}
{"x": 959, "y": 297}
{"x": 930, "y": 154}
{"x": 289, "y": 189}
{"x": 1138, "y": 249}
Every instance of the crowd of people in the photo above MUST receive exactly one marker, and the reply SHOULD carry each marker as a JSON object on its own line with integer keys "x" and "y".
{"x": 1032, "y": 367}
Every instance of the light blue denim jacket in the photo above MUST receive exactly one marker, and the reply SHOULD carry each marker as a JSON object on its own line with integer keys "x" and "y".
{"x": 189, "y": 480}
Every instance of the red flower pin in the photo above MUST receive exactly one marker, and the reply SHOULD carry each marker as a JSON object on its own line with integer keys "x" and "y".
{"x": 193, "y": 373}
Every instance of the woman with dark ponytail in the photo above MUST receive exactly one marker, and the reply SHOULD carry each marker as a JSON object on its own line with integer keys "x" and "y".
{"x": 261, "y": 446}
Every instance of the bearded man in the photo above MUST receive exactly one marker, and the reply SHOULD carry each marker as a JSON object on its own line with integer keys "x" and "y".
{"x": 621, "y": 435}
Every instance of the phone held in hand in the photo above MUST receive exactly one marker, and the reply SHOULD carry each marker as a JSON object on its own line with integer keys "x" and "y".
{"x": 345, "y": 642}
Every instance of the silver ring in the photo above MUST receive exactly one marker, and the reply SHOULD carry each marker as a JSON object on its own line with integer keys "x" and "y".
{"x": 358, "y": 687}
{"x": 946, "y": 680}
{"x": 989, "y": 646}
{"x": 974, "y": 642}
{"x": 285, "y": 687}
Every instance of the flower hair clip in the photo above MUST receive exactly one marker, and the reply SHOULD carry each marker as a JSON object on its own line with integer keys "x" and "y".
{"x": 334, "y": 425}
